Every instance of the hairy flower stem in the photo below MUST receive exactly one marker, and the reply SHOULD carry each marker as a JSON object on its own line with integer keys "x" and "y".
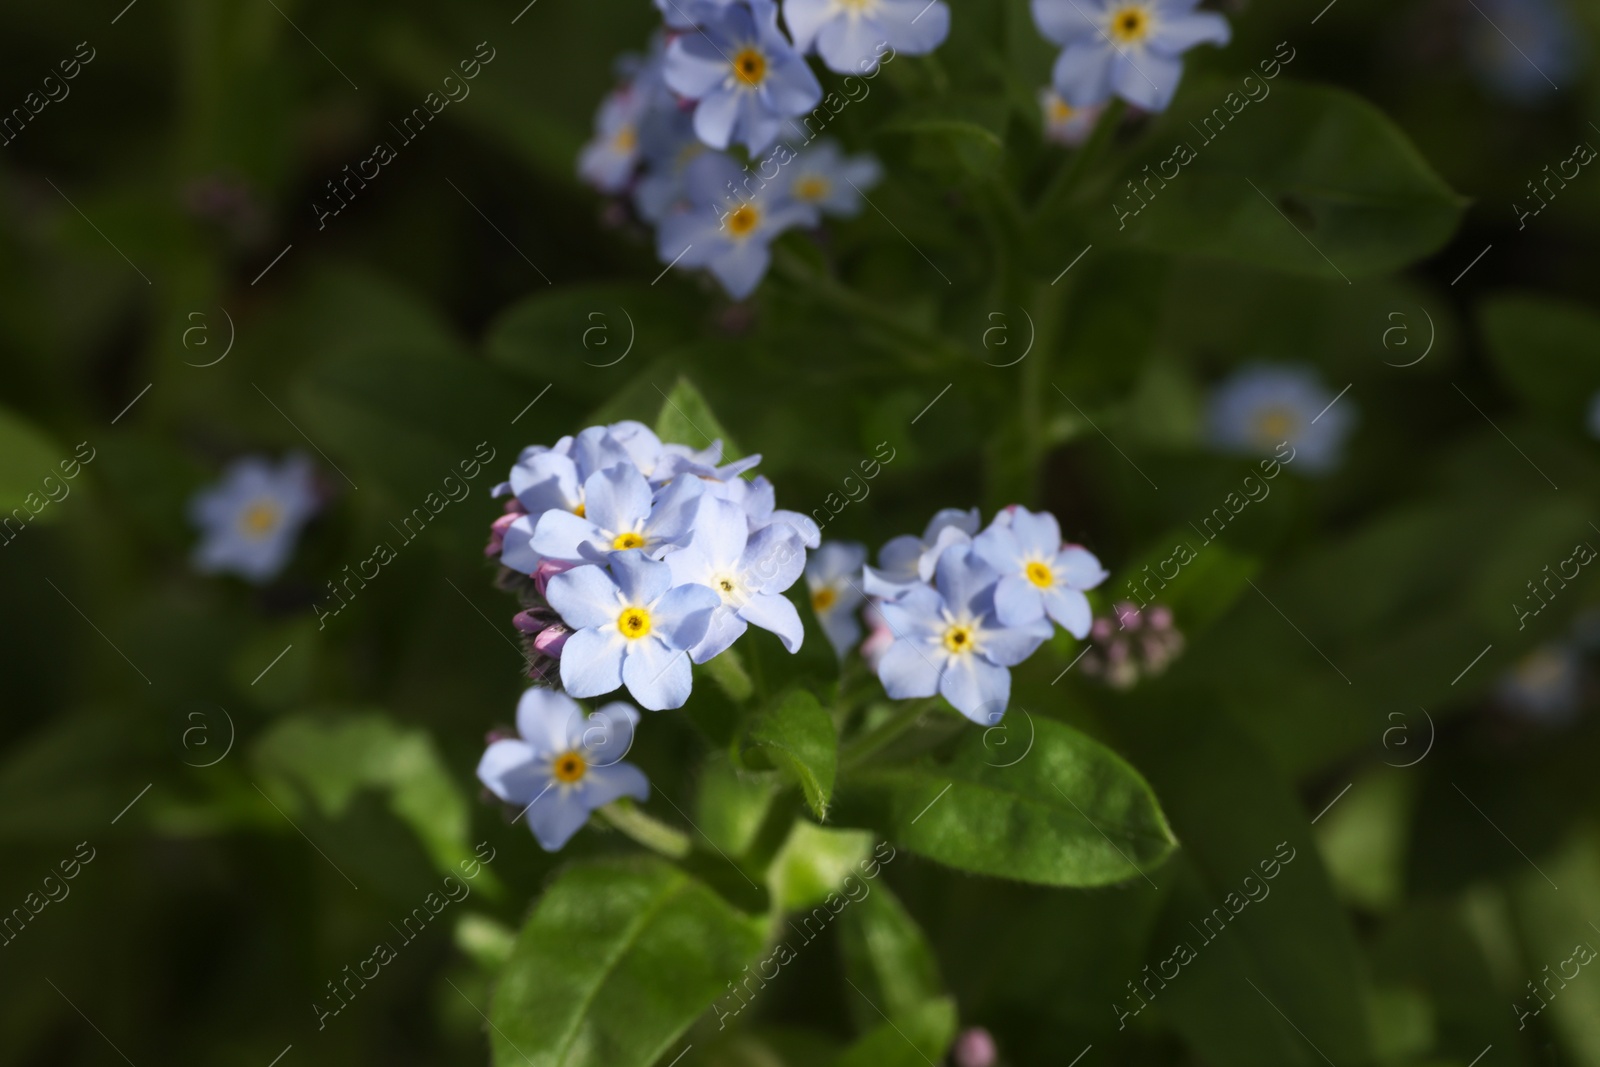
{"x": 910, "y": 343}
{"x": 647, "y": 830}
{"x": 1068, "y": 178}
{"x": 868, "y": 744}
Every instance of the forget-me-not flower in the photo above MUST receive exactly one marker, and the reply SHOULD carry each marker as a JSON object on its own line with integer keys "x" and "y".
{"x": 852, "y": 36}
{"x": 1127, "y": 48}
{"x": 744, "y": 74}
{"x": 731, "y": 240}
{"x": 949, "y": 641}
{"x": 1038, "y": 574}
{"x": 1263, "y": 405}
{"x": 620, "y": 513}
{"x": 554, "y": 479}
{"x": 250, "y": 520}
{"x": 564, "y": 765}
{"x": 632, "y": 626}
{"x": 748, "y": 573}
{"x": 833, "y": 575}
{"x": 1523, "y": 49}
{"x": 667, "y": 145}
{"x": 827, "y": 181}
{"x": 607, "y": 161}
{"x": 1065, "y": 124}
{"x": 907, "y": 560}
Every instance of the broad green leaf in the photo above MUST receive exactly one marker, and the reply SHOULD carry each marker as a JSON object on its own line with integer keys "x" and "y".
{"x": 488, "y": 941}
{"x": 731, "y": 804}
{"x": 686, "y": 419}
{"x": 1545, "y": 350}
{"x": 335, "y": 757}
{"x": 1552, "y": 924}
{"x": 1070, "y": 812}
{"x": 1310, "y": 180}
{"x": 1249, "y": 904}
{"x": 814, "y": 863}
{"x": 887, "y": 957}
{"x": 915, "y": 1039}
{"x": 798, "y": 735}
{"x": 27, "y": 458}
{"x": 616, "y": 961}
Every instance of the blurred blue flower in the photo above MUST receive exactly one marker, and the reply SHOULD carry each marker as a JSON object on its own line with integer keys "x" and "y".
{"x": 947, "y": 640}
{"x": 907, "y": 560}
{"x": 1038, "y": 574}
{"x": 853, "y": 35}
{"x": 1126, "y": 48}
{"x": 748, "y": 573}
{"x": 1263, "y": 405}
{"x": 744, "y": 74}
{"x": 1593, "y": 419}
{"x": 564, "y": 766}
{"x": 822, "y": 178}
{"x": 1065, "y": 124}
{"x": 1523, "y": 49}
{"x": 608, "y": 160}
{"x": 620, "y": 513}
{"x": 731, "y": 243}
{"x": 833, "y": 575}
{"x": 668, "y": 144}
{"x": 632, "y": 627}
{"x": 687, "y": 14}
{"x": 250, "y": 520}
{"x": 1544, "y": 685}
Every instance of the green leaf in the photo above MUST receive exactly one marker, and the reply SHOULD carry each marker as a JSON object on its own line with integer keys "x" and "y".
{"x": 1310, "y": 180}
{"x": 1545, "y": 350}
{"x": 798, "y": 735}
{"x": 730, "y": 804}
{"x": 335, "y": 757}
{"x": 813, "y": 863}
{"x": 964, "y": 135}
{"x": 1068, "y": 813}
{"x": 27, "y": 458}
{"x": 727, "y": 670}
{"x": 917, "y": 1039}
{"x": 616, "y": 962}
{"x": 887, "y": 957}
{"x": 686, "y": 419}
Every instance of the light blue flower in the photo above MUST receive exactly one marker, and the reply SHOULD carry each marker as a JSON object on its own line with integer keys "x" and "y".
{"x": 687, "y": 14}
{"x": 1126, "y": 48}
{"x": 906, "y": 560}
{"x": 827, "y": 181}
{"x": 632, "y": 627}
{"x": 730, "y": 240}
{"x": 554, "y": 479}
{"x": 564, "y": 766}
{"x": 744, "y": 74}
{"x": 1263, "y": 405}
{"x": 1038, "y": 574}
{"x": 947, "y": 640}
{"x": 250, "y": 520}
{"x": 1523, "y": 49}
{"x": 851, "y": 36}
{"x": 748, "y": 574}
{"x": 608, "y": 160}
{"x": 758, "y": 498}
{"x": 668, "y": 144}
{"x": 833, "y": 574}
{"x": 620, "y": 513}
{"x": 1545, "y": 685}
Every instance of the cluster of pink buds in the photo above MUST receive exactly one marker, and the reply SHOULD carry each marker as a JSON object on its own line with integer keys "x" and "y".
{"x": 1131, "y": 644}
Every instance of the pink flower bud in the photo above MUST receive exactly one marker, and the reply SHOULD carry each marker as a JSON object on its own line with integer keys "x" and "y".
{"x": 552, "y": 639}
{"x": 975, "y": 1047}
{"x": 1161, "y": 617}
{"x": 531, "y": 622}
{"x": 1101, "y": 630}
{"x": 497, "y": 532}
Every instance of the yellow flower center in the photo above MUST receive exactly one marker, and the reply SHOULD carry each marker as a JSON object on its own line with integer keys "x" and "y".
{"x": 1274, "y": 425}
{"x": 1040, "y": 575}
{"x": 1060, "y": 110}
{"x": 627, "y": 540}
{"x": 625, "y": 139}
{"x": 258, "y": 520}
{"x": 1130, "y": 24}
{"x": 634, "y": 623}
{"x": 569, "y": 767}
{"x": 580, "y": 511}
{"x": 750, "y": 66}
{"x": 742, "y": 219}
{"x": 811, "y": 187}
{"x": 958, "y": 638}
{"x": 857, "y": 5}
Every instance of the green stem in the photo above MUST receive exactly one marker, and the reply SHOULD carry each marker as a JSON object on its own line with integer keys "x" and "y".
{"x": 871, "y": 742}
{"x": 912, "y": 344}
{"x": 647, "y": 830}
{"x": 1068, "y": 177}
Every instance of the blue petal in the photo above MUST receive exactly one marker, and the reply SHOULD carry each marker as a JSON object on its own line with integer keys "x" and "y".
{"x": 546, "y": 718}
{"x": 777, "y": 614}
{"x": 604, "y": 784}
{"x": 607, "y": 735}
{"x": 658, "y": 677}
{"x": 1082, "y": 73}
{"x": 511, "y": 771}
{"x": 683, "y": 613}
{"x": 641, "y": 579}
{"x": 1147, "y": 80}
{"x": 1017, "y": 601}
{"x": 584, "y": 596}
{"x": 517, "y": 551}
{"x": 591, "y": 663}
{"x": 908, "y": 671}
{"x": 976, "y": 688}
{"x": 561, "y": 535}
{"x": 555, "y": 817}
{"x": 1071, "y": 609}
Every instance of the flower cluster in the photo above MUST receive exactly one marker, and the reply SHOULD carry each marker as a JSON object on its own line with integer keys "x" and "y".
{"x": 955, "y": 609}
{"x": 1134, "y": 644}
{"x": 1122, "y": 48}
{"x": 691, "y": 135}
{"x": 632, "y": 558}
{"x": 635, "y": 557}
